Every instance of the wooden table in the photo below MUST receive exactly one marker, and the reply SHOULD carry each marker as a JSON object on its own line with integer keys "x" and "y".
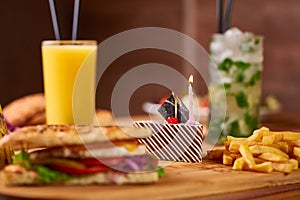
{"x": 207, "y": 180}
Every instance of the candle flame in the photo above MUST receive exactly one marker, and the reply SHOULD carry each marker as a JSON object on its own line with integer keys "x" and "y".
{"x": 191, "y": 79}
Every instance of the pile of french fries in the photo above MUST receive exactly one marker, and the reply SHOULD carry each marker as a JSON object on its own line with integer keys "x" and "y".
{"x": 264, "y": 151}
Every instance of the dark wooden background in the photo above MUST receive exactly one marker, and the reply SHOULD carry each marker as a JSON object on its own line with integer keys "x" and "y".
{"x": 24, "y": 24}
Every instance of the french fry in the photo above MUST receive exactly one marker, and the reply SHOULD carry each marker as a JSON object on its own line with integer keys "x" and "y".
{"x": 258, "y": 134}
{"x": 239, "y": 164}
{"x": 244, "y": 150}
{"x": 259, "y": 149}
{"x": 235, "y": 145}
{"x": 283, "y": 146}
{"x": 227, "y": 159}
{"x": 231, "y": 138}
{"x": 259, "y": 160}
{"x": 267, "y": 140}
{"x": 291, "y": 136}
{"x": 296, "y": 143}
{"x": 295, "y": 163}
{"x": 273, "y": 157}
{"x": 283, "y": 167}
{"x": 264, "y": 151}
{"x": 271, "y": 138}
{"x": 296, "y": 151}
{"x": 263, "y": 167}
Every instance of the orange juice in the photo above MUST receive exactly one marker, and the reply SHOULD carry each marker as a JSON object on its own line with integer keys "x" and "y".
{"x": 69, "y": 81}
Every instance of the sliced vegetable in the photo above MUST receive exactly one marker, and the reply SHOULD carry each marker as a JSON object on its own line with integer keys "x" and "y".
{"x": 160, "y": 171}
{"x": 47, "y": 175}
{"x": 76, "y": 171}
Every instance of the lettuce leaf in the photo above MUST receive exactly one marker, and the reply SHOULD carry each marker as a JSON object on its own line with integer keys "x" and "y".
{"x": 160, "y": 171}
{"x": 45, "y": 174}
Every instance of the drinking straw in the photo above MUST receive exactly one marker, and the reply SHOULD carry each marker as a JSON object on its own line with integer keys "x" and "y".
{"x": 75, "y": 19}
{"x": 54, "y": 19}
{"x": 220, "y": 15}
{"x": 228, "y": 14}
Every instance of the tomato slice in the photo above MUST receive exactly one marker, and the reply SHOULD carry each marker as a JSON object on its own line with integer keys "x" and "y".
{"x": 91, "y": 162}
{"x": 76, "y": 171}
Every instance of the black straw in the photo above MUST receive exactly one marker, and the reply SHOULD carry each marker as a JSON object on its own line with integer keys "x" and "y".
{"x": 75, "y": 19}
{"x": 220, "y": 15}
{"x": 229, "y": 7}
{"x": 54, "y": 19}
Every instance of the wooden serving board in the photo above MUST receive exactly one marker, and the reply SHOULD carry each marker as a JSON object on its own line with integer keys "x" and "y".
{"x": 208, "y": 180}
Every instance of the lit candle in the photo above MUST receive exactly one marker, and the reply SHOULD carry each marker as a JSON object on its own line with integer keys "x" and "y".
{"x": 191, "y": 103}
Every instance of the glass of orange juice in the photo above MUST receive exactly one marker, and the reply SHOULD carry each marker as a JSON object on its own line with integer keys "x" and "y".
{"x": 69, "y": 69}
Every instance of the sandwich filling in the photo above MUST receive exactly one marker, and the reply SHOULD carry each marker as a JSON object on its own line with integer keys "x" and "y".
{"x": 55, "y": 169}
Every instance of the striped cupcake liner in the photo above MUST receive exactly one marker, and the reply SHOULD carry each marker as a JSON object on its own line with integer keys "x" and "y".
{"x": 173, "y": 142}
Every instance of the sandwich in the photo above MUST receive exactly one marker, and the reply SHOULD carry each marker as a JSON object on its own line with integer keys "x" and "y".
{"x": 79, "y": 155}
{"x": 30, "y": 110}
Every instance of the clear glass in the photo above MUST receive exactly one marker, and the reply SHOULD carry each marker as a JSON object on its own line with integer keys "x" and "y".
{"x": 239, "y": 58}
{"x": 62, "y": 62}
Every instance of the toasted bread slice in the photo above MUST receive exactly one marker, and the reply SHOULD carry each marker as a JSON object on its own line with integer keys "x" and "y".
{"x": 63, "y": 135}
{"x": 17, "y": 175}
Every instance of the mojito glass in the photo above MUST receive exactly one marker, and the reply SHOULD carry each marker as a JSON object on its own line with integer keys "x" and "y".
{"x": 238, "y": 57}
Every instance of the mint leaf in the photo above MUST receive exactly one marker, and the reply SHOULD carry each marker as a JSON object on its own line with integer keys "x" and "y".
{"x": 160, "y": 171}
{"x": 227, "y": 85}
{"x": 225, "y": 65}
{"x": 251, "y": 121}
{"x": 242, "y": 65}
{"x": 234, "y": 129}
{"x": 241, "y": 100}
{"x": 255, "y": 77}
{"x": 238, "y": 76}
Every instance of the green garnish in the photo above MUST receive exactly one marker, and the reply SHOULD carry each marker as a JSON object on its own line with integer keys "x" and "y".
{"x": 234, "y": 129}
{"x": 241, "y": 100}
{"x": 251, "y": 121}
{"x": 160, "y": 172}
{"x": 45, "y": 174}
{"x": 227, "y": 85}
{"x": 242, "y": 65}
{"x": 22, "y": 159}
{"x": 255, "y": 77}
{"x": 225, "y": 65}
{"x": 238, "y": 76}
{"x": 256, "y": 41}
